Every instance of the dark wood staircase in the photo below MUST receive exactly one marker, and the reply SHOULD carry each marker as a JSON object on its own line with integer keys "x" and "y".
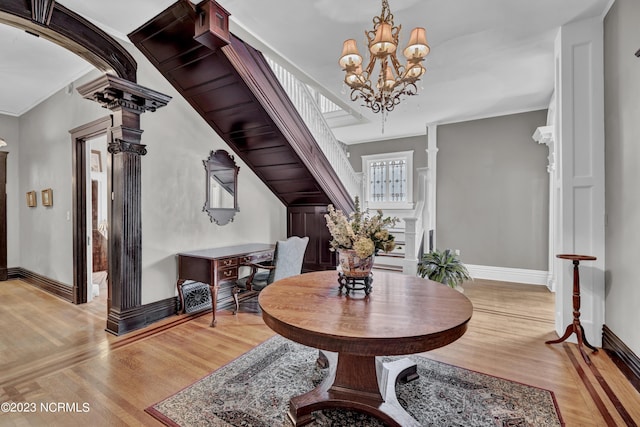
{"x": 234, "y": 90}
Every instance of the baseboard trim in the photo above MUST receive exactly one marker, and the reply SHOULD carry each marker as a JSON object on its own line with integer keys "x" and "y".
{"x": 121, "y": 322}
{"x": 54, "y": 287}
{"x": 625, "y": 359}
{"x": 504, "y": 274}
{"x": 118, "y": 323}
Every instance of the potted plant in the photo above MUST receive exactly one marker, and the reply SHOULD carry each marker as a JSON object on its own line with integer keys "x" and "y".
{"x": 358, "y": 237}
{"x": 444, "y": 267}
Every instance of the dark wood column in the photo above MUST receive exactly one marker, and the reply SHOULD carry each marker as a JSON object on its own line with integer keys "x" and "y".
{"x": 127, "y": 101}
{"x": 3, "y": 215}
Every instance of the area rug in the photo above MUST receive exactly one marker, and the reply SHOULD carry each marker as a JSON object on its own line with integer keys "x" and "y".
{"x": 254, "y": 391}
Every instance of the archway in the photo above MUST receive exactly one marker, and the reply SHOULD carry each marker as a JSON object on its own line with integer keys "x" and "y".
{"x": 126, "y": 100}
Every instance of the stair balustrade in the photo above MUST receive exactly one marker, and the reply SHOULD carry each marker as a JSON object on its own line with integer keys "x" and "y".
{"x": 309, "y": 110}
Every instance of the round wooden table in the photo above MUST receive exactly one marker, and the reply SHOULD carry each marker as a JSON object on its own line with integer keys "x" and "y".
{"x": 402, "y": 315}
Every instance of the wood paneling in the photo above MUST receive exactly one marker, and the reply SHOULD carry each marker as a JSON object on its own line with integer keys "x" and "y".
{"x": 236, "y": 92}
{"x": 309, "y": 221}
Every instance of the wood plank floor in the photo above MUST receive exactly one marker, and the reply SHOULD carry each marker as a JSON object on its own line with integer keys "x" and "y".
{"x": 54, "y": 352}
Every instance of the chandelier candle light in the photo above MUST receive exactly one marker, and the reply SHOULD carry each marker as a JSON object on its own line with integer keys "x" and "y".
{"x": 393, "y": 79}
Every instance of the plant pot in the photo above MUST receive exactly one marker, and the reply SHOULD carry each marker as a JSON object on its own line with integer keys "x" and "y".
{"x": 354, "y": 266}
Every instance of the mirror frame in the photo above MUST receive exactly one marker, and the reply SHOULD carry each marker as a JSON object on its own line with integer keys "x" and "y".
{"x": 221, "y": 216}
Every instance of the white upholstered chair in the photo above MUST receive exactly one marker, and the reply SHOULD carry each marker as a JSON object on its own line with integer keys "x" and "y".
{"x": 287, "y": 261}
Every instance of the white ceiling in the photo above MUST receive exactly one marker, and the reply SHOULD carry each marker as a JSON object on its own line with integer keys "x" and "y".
{"x": 488, "y": 57}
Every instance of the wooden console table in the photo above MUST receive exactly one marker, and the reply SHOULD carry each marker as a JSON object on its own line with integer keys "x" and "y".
{"x": 218, "y": 266}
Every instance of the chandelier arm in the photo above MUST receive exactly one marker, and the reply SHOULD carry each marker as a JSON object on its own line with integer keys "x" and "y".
{"x": 369, "y": 70}
{"x": 397, "y": 67}
{"x": 395, "y": 33}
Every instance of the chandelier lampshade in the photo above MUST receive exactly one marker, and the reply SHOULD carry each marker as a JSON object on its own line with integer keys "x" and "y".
{"x": 350, "y": 56}
{"x": 355, "y": 78}
{"x": 384, "y": 81}
{"x": 414, "y": 71}
{"x": 417, "y": 46}
{"x": 383, "y": 44}
{"x": 389, "y": 80}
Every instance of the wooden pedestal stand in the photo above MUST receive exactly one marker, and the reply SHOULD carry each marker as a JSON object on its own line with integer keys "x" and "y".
{"x": 576, "y": 327}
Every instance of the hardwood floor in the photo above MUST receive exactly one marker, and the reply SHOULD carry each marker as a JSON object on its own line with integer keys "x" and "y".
{"x": 53, "y": 352}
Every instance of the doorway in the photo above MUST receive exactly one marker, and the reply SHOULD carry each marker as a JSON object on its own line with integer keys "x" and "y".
{"x": 97, "y": 211}
{"x": 91, "y": 170}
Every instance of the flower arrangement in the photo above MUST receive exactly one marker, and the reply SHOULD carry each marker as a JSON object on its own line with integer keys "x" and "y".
{"x": 363, "y": 233}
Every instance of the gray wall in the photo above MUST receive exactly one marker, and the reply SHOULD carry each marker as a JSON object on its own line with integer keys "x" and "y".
{"x": 173, "y": 188}
{"x": 45, "y": 162}
{"x": 416, "y": 143}
{"x": 493, "y": 191}
{"x": 622, "y": 157}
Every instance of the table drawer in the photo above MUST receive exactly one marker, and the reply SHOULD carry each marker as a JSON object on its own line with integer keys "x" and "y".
{"x": 257, "y": 257}
{"x": 226, "y": 262}
{"x": 230, "y": 273}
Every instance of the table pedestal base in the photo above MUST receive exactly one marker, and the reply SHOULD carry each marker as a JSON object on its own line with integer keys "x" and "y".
{"x": 359, "y": 383}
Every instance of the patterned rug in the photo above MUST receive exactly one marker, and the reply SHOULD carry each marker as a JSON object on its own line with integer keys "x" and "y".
{"x": 254, "y": 391}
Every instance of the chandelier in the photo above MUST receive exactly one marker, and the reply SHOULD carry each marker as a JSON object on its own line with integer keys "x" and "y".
{"x": 393, "y": 79}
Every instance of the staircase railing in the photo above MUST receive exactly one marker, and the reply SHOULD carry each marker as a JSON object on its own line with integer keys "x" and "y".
{"x": 414, "y": 228}
{"x": 310, "y": 112}
{"x": 413, "y": 231}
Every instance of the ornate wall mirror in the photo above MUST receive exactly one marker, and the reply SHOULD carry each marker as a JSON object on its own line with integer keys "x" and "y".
{"x": 222, "y": 187}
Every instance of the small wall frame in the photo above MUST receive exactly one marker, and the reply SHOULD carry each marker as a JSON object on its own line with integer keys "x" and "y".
{"x": 47, "y": 197}
{"x": 32, "y": 200}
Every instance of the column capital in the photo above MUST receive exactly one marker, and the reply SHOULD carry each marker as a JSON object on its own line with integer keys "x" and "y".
{"x": 545, "y": 135}
{"x": 116, "y": 93}
{"x": 121, "y": 146}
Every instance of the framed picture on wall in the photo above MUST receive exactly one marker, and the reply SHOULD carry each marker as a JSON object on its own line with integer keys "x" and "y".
{"x": 47, "y": 197}
{"x": 31, "y": 199}
{"x": 96, "y": 161}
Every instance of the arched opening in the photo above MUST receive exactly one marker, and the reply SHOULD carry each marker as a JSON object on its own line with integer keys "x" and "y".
{"x": 52, "y": 21}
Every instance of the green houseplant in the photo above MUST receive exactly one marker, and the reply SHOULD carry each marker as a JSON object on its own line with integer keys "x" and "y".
{"x": 444, "y": 267}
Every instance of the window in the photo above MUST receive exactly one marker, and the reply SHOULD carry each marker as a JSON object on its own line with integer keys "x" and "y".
{"x": 389, "y": 180}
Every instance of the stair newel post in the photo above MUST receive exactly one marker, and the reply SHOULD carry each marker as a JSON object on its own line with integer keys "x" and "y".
{"x": 410, "y": 262}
